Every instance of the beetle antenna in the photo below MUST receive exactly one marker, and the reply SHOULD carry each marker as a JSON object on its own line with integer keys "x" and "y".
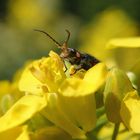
{"x": 68, "y": 37}
{"x": 57, "y": 43}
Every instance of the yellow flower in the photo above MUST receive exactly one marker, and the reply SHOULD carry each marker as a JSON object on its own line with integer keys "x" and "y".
{"x": 109, "y": 24}
{"x": 71, "y": 103}
{"x": 68, "y": 102}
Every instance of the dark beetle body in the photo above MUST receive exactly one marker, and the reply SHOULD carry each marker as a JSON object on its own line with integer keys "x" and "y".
{"x": 81, "y": 60}
{"x": 74, "y": 57}
{"x": 88, "y": 61}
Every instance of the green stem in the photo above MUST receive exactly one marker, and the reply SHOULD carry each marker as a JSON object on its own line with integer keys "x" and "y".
{"x": 115, "y": 132}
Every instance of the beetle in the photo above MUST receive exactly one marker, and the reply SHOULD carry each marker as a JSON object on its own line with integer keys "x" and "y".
{"x": 73, "y": 56}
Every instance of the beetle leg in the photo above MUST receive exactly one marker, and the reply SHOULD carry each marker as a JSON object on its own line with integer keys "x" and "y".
{"x": 76, "y": 69}
{"x": 65, "y": 66}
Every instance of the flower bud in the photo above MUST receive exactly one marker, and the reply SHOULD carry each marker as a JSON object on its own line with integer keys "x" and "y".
{"x": 117, "y": 85}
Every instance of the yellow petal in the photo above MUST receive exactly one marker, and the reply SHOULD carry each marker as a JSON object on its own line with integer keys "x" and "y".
{"x": 46, "y": 72}
{"x": 55, "y": 114}
{"x": 132, "y": 42}
{"x": 74, "y": 87}
{"x": 57, "y": 61}
{"x": 96, "y": 75}
{"x": 29, "y": 83}
{"x": 80, "y": 110}
{"x": 17, "y": 133}
{"x": 21, "y": 111}
{"x": 130, "y": 111}
{"x": 24, "y": 135}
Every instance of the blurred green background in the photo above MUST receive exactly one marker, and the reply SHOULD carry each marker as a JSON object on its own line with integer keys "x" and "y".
{"x": 91, "y": 23}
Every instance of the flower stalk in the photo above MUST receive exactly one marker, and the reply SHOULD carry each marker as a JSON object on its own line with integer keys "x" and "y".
{"x": 115, "y": 131}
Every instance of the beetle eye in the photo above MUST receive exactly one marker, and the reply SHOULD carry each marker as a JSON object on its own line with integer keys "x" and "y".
{"x": 72, "y": 50}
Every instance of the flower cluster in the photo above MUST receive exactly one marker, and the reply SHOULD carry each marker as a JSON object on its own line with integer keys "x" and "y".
{"x": 56, "y": 105}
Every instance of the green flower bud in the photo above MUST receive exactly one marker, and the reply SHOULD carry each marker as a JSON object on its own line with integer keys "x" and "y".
{"x": 117, "y": 85}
